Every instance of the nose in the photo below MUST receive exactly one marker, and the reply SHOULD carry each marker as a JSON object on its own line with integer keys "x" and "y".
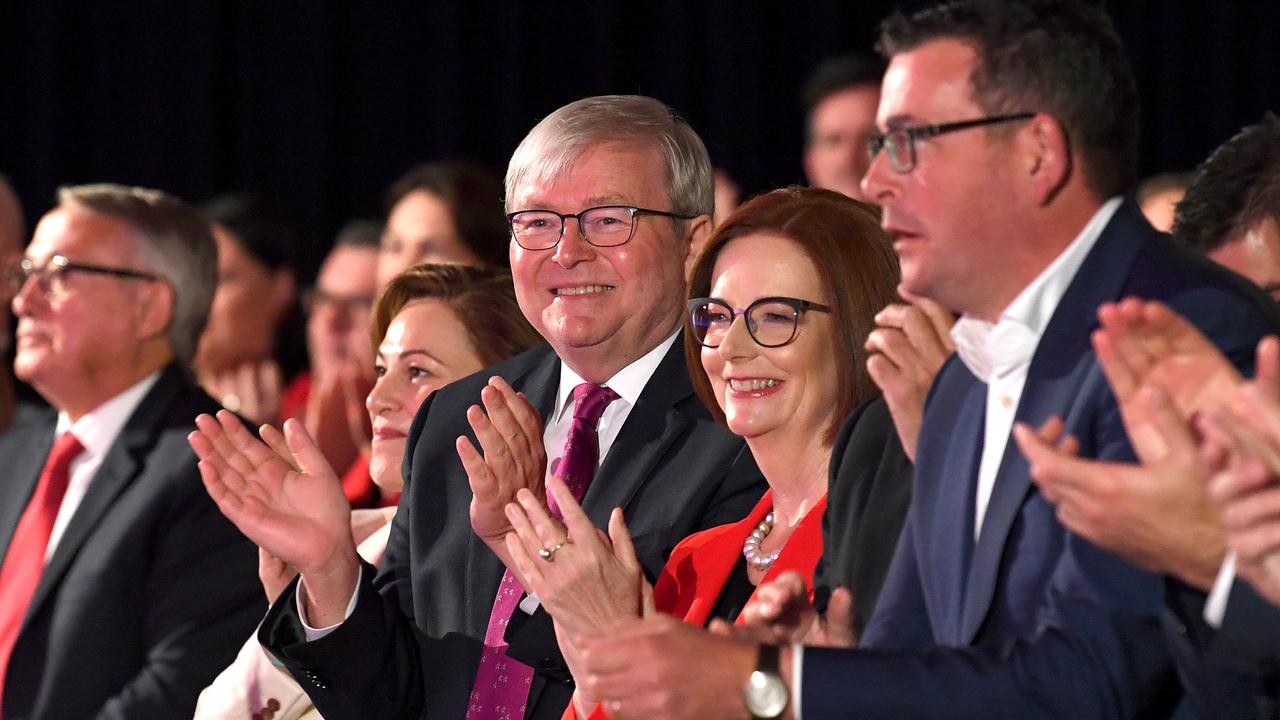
{"x": 27, "y": 295}
{"x": 737, "y": 343}
{"x": 881, "y": 181}
{"x": 573, "y": 248}
{"x": 382, "y": 398}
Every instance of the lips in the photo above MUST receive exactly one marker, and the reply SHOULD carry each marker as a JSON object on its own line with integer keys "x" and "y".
{"x": 388, "y": 433}
{"x": 753, "y": 387}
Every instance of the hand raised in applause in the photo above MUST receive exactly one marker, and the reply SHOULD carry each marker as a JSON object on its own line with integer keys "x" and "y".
{"x": 335, "y": 414}
{"x": 510, "y": 433}
{"x": 781, "y": 612}
{"x": 590, "y": 582}
{"x": 908, "y": 347}
{"x": 296, "y": 512}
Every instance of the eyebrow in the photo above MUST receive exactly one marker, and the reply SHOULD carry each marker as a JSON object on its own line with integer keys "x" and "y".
{"x": 423, "y": 353}
{"x": 593, "y": 201}
{"x": 894, "y": 122}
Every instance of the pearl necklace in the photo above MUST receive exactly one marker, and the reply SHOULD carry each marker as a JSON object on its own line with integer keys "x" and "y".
{"x": 751, "y": 548}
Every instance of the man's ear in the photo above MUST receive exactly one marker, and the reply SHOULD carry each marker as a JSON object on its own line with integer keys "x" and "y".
{"x": 155, "y": 309}
{"x": 1045, "y": 153}
{"x": 699, "y": 231}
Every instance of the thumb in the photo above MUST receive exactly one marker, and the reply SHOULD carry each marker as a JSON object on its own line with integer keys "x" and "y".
{"x": 306, "y": 455}
{"x": 840, "y": 613}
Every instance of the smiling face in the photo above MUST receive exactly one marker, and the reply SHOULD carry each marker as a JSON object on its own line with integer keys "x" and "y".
{"x": 769, "y": 391}
{"x": 425, "y": 348}
{"x": 603, "y": 308}
{"x": 950, "y": 216}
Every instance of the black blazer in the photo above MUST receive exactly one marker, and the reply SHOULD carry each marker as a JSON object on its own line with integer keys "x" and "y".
{"x": 412, "y": 646}
{"x": 868, "y": 493}
{"x": 149, "y": 589}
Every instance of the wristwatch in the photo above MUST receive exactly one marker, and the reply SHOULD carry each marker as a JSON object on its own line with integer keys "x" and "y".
{"x": 765, "y": 693}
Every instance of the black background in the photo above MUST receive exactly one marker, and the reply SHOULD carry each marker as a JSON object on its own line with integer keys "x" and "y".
{"x": 320, "y": 104}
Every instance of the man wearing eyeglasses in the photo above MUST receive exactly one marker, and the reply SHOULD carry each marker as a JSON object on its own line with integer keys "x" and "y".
{"x": 122, "y": 588}
{"x": 1008, "y": 135}
{"x": 606, "y": 199}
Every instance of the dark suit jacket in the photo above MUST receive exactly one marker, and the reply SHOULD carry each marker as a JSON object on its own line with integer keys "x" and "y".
{"x": 1233, "y": 671}
{"x": 142, "y": 601}
{"x": 1031, "y": 621}
{"x": 869, "y": 491}
{"x": 413, "y": 643}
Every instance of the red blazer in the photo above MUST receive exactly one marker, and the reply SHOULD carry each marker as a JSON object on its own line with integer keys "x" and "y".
{"x": 701, "y": 564}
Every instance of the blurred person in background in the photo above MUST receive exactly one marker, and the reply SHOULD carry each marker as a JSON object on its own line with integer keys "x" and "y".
{"x": 254, "y": 338}
{"x": 432, "y": 324}
{"x": 12, "y": 239}
{"x": 840, "y": 100}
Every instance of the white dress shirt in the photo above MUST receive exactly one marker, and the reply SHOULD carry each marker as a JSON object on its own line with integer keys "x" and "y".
{"x": 97, "y": 432}
{"x": 999, "y": 354}
{"x": 628, "y": 382}
{"x": 1215, "y": 606}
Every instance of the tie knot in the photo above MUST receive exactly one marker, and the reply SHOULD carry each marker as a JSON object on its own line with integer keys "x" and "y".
{"x": 589, "y": 402}
{"x": 65, "y": 449}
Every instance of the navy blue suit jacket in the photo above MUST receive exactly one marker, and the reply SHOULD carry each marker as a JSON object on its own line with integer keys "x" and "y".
{"x": 1030, "y": 621}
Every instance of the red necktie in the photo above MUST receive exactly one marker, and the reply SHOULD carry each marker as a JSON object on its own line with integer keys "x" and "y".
{"x": 24, "y": 561}
{"x": 501, "y": 687}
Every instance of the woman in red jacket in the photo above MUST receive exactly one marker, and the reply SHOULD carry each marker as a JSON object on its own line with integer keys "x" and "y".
{"x": 782, "y": 298}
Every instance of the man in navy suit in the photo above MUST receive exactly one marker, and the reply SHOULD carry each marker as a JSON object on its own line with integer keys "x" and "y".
{"x": 1009, "y": 136}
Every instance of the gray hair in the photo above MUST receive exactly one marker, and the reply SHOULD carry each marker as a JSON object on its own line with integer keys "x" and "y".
{"x": 174, "y": 241}
{"x": 553, "y": 145}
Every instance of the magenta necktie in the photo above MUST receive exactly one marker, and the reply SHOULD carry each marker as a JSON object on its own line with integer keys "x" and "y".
{"x": 501, "y": 688}
{"x": 24, "y": 561}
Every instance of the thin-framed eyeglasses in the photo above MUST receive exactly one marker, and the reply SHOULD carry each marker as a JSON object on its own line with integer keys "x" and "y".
{"x": 771, "y": 321}
{"x": 900, "y": 143}
{"x": 602, "y": 226}
{"x": 51, "y": 279}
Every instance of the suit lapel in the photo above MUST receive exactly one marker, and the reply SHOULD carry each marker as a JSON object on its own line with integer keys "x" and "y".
{"x": 119, "y": 469}
{"x": 32, "y": 444}
{"x": 650, "y": 428}
{"x": 1054, "y": 377}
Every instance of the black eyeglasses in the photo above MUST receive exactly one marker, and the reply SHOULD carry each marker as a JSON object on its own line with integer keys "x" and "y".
{"x": 771, "y": 321}
{"x": 900, "y": 143}
{"x": 51, "y": 279}
{"x": 602, "y": 226}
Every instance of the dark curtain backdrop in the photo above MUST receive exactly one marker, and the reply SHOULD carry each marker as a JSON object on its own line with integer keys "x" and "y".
{"x": 320, "y": 104}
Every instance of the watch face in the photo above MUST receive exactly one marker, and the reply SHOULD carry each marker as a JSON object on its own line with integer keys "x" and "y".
{"x": 766, "y": 695}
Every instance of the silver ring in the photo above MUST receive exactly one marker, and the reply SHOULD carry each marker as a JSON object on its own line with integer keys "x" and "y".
{"x": 550, "y": 555}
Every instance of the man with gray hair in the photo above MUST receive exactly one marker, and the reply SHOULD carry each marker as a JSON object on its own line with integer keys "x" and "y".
{"x": 607, "y": 197}
{"x": 122, "y": 589}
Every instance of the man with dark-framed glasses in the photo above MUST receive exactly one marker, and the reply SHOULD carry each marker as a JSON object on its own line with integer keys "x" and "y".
{"x": 1008, "y": 138}
{"x": 121, "y": 586}
{"x": 607, "y": 197}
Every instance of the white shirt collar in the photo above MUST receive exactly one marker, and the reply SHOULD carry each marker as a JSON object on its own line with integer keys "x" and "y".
{"x": 98, "y": 429}
{"x": 628, "y": 382}
{"x": 994, "y": 349}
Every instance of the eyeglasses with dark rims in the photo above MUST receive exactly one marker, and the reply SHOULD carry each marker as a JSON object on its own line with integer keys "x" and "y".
{"x": 900, "y": 143}
{"x": 602, "y": 226}
{"x": 51, "y": 279}
{"x": 771, "y": 321}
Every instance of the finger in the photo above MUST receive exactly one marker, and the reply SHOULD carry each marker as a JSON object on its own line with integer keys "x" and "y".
{"x": 1267, "y": 370}
{"x": 1255, "y": 544}
{"x": 278, "y": 444}
{"x": 493, "y": 445}
{"x": 1120, "y": 376}
{"x": 647, "y": 605}
{"x": 219, "y": 436}
{"x": 525, "y": 414}
{"x": 254, "y": 451}
{"x": 840, "y": 611}
{"x": 483, "y": 484}
{"x": 525, "y": 567}
{"x": 1050, "y": 430}
{"x": 578, "y": 526}
{"x": 1256, "y": 508}
{"x": 942, "y": 320}
{"x": 1167, "y": 426}
{"x": 923, "y": 336}
{"x": 549, "y": 530}
{"x": 1052, "y": 469}
{"x": 504, "y": 422}
{"x": 623, "y": 548}
{"x": 894, "y": 346}
{"x": 305, "y": 453}
{"x": 246, "y": 385}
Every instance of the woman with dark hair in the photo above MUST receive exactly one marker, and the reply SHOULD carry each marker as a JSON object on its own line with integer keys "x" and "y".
{"x": 782, "y": 299}
{"x": 432, "y": 324}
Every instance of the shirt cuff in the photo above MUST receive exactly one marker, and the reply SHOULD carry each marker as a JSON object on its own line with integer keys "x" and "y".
{"x": 529, "y": 604}
{"x": 1215, "y": 607}
{"x": 314, "y": 634}
{"x": 797, "y": 684}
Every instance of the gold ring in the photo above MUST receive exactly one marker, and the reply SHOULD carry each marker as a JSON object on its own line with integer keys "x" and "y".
{"x": 550, "y": 555}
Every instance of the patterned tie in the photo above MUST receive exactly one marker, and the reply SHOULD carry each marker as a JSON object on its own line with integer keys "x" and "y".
{"x": 501, "y": 688}
{"x": 24, "y": 561}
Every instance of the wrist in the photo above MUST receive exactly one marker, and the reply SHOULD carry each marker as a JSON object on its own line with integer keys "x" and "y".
{"x": 329, "y": 589}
